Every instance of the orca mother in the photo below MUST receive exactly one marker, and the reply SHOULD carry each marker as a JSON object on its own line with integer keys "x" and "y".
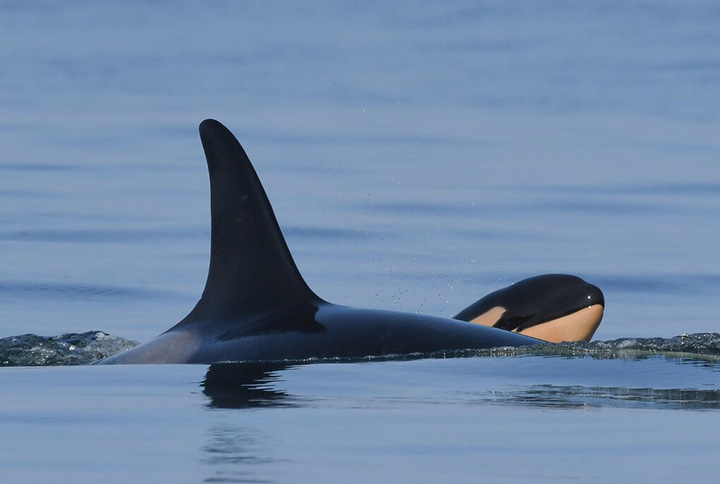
{"x": 257, "y": 307}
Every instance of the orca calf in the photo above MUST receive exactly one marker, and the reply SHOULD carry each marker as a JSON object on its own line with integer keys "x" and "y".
{"x": 257, "y": 307}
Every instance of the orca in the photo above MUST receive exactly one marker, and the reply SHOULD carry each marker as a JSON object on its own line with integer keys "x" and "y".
{"x": 256, "y": 307}
{"x": 550, "y": 307}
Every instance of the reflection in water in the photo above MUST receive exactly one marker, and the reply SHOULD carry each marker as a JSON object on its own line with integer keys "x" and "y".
{"x": 247, "y": 441}
{"x": 235, "y": 455}
{"x": 239, "y": 453}
{"x": 575, "y": 396}
{"x": 253, "y": 385}
{"x": 244, "y": 385}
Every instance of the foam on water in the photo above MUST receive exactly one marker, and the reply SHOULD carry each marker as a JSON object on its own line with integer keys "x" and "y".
{"x": 65, "y": 349}
{"x": 92, "y": 346}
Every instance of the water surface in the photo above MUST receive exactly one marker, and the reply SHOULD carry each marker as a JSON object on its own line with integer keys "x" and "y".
{"x": 418, "y": 156}
{"x": 500, "y": 419}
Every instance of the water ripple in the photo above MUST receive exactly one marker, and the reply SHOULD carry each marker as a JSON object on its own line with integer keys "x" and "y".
{"x": 578, "y": 397}
{"x": 97, "y": 236}
{"x": 10, "y": 290}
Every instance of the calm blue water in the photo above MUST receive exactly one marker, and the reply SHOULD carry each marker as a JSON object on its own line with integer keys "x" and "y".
{"x": 418, "y": 156}
{"x": 455, "y": 420}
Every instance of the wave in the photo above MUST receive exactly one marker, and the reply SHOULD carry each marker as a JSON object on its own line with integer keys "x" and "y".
{"x": 92, "y": 346}
{"x": 66, "y": 349}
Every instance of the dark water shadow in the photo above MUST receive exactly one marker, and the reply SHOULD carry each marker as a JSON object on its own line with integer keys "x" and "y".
{"x": 255, "y": 385}
{"x": 580, "y": 397}
{"x": 245, "y": 385}
{"x": 238, "y": 454}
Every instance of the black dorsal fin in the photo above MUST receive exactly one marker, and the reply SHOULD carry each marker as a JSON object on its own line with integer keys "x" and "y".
{"x": 251, "y": 269}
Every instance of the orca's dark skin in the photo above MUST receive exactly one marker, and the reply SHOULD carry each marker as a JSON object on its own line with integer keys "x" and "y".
{"x": 256, "y": 306}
